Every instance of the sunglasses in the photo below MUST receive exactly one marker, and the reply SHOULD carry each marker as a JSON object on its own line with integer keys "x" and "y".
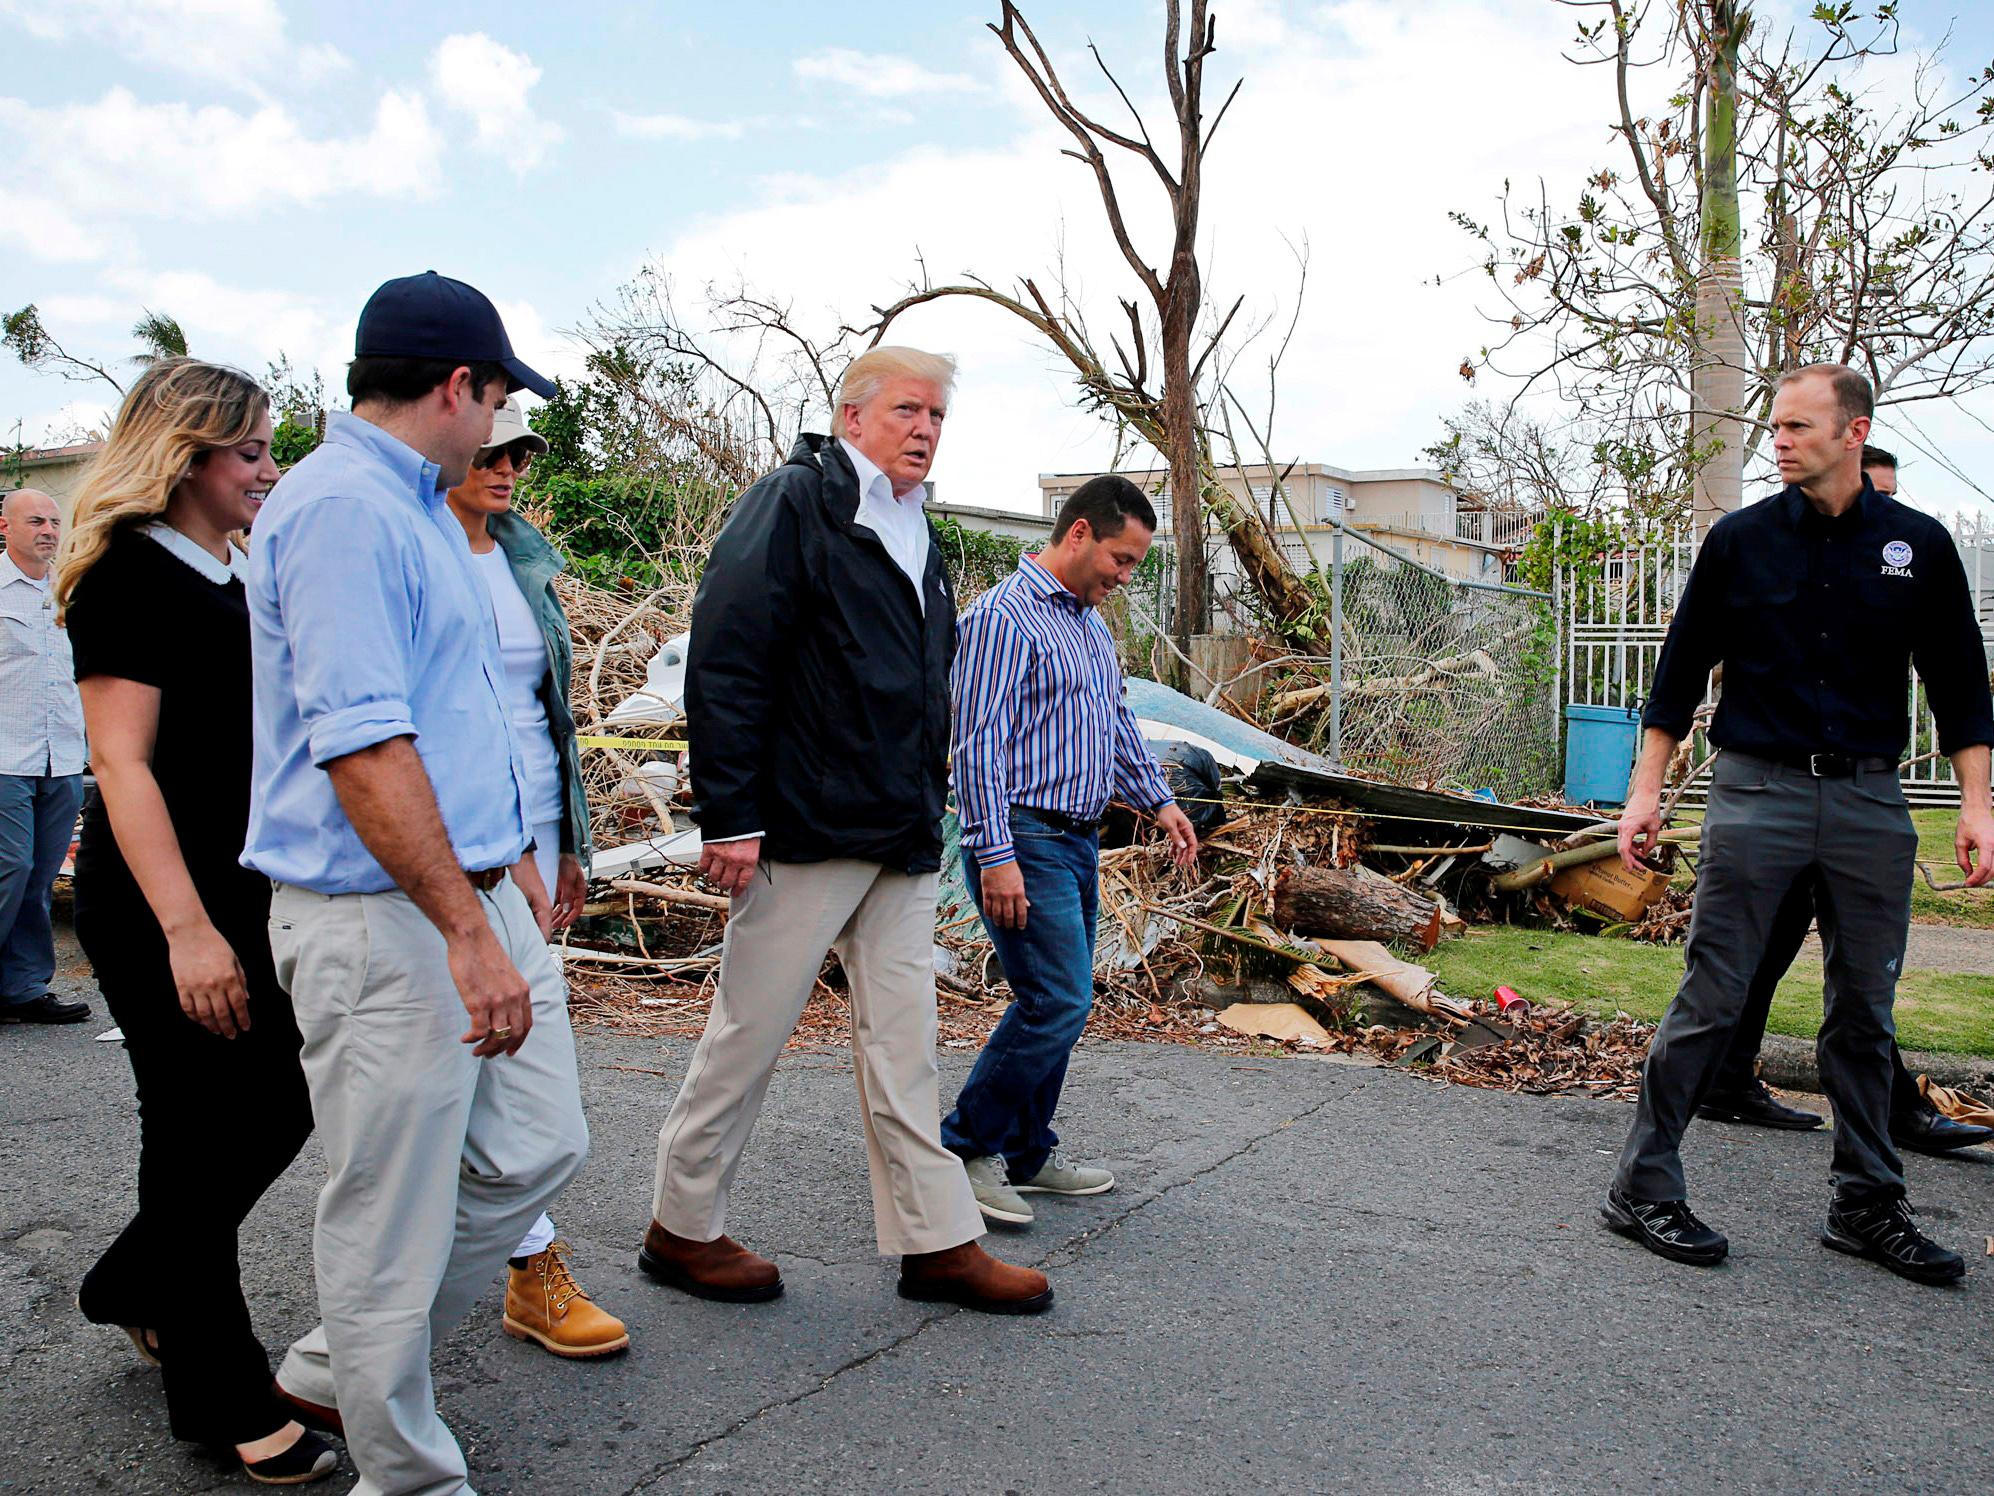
{"x": 520, "y": 453}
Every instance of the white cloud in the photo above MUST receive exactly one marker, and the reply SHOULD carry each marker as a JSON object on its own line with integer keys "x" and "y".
{"x": 1303, "y": 154}
{"x": 879, "y": 75}
{"x": 490, "y": 83}
{"x": 119, "y": 158}
{"x": 676, "y": 127}
{"x": 44, "y": 229}
{"x": 239, "y": 44}
{"x": 554, "y": 354}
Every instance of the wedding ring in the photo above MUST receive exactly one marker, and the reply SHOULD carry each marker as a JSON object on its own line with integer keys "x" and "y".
{"x": 501, "y": 1033}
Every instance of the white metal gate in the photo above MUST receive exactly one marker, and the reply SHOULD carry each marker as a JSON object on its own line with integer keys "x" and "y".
{"x": 1613, "y": 616}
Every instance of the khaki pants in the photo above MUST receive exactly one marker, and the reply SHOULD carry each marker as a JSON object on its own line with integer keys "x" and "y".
{"x": 882, "y": 925}
{"x": 436, "y": 1160}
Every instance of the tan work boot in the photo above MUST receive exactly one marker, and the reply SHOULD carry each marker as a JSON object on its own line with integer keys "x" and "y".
{"x": 544, "y": 1303}
{"x": 969, "y": 1276}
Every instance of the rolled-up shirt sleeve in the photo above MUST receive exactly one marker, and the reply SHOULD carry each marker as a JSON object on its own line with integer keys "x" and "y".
{"x": 991, "y": 658}
{"x": 349, "y": 604}
{"x": 1693, "y": 647}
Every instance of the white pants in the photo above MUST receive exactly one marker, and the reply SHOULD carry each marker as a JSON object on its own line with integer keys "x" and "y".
{"x": 547, "y": 858}
{"x": 436, "y": 1160}
{"x": 882, "y": 925}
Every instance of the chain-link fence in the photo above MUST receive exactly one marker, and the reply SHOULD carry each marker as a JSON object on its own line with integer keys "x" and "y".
{"x": 1434, "y": 681}
{"x": 1443, "y": 682}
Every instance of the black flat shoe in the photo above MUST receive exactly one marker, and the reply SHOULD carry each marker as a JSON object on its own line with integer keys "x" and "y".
{"x": 1929, "y": 1131}
{"x": 310, "y": 1459}
{"x": 48, "y": 1008}
{"x": 1668, "y": 1228}
{"x": 1883, "y": 1233}
{"x": 1755, "y": 1107}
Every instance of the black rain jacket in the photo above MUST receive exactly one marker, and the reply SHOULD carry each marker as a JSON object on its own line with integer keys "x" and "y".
{"x": 817, "y": 690}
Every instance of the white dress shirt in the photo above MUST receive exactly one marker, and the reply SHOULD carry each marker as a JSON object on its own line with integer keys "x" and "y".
{"x": 41, "y": 716}
{"x": 899, "y": 523}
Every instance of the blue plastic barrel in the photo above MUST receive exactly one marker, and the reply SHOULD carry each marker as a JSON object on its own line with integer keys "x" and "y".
{"x": 1599, "y": 753}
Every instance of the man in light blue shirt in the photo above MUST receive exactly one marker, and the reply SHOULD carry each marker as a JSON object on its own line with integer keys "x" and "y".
{"x": 389, "y": 811}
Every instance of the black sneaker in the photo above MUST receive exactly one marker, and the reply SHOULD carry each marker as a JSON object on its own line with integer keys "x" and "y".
{"x": 1883, "y": 1232}
{"x": 1929, "y": 1130}
{"x": 48, "y": 1008}
{"x": 1755, "y": 1107}
{"x": 310, "y": 1459}
{"x": 1668, "y": 1228}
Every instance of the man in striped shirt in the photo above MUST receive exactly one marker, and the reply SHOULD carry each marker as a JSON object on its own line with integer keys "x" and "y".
{"x": 1042, "y": 739}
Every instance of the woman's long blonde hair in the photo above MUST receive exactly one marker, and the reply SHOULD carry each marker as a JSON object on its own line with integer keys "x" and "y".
{"x": 180, "y": 410}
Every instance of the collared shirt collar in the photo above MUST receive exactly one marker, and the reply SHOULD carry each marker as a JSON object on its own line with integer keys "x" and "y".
{"x": 869, "y": 473}
{"x": 10, "y": 571}
{"x": 1868, "y": 505}
{"x": 220, "y": 572}
{"x": 423, "y": 477}
{"x": 1038, "y": 576}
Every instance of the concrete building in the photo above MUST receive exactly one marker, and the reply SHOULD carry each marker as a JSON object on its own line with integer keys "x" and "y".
{"x": 1412, "y": 510}
{"x": 56, "y": 471}
{"x": 1033, "y": 529}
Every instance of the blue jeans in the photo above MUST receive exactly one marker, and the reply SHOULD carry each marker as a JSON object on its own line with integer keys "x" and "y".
{"x": 1006, "y": 1105}
{"x": 37, "y": 817}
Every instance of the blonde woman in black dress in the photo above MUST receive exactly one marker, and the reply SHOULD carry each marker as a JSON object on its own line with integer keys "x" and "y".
{"x": 172, "y": 922}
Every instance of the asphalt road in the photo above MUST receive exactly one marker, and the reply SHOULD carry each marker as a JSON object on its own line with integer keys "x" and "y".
{"x": 1314, "y": 1277}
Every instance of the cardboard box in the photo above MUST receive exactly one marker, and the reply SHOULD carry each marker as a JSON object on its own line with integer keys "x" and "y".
{"x": 1606, "y": 887}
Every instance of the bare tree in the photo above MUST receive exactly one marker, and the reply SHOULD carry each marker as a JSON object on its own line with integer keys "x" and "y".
{"x": 1865, "y": 227}
{"x": 1170, "y": 416}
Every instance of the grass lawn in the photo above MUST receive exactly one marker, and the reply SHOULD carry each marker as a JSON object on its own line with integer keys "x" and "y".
{"x": 1602, "y": 975}
{"x": 1935, "y": 829}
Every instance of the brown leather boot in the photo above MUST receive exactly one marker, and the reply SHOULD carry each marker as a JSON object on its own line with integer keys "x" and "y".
{"x": 544, "y": 1304}
{"x": 722, "y": 1269}
{"x": 969, "y": 1276}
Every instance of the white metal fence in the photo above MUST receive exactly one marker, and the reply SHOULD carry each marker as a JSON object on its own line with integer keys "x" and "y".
{"x": 1614, "y": 614}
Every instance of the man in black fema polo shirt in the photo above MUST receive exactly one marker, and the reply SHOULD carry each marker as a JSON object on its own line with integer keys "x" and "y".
{"x": 1814, "y": 601}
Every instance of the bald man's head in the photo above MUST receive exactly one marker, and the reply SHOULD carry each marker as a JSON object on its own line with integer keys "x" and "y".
{"x": 33, "y": 528}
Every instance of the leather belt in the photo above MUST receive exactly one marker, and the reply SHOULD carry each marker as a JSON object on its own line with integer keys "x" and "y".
{"x": 1061, "y": 819}
{"x": 487, "y": 878}
{"x": 1831, "y": 765}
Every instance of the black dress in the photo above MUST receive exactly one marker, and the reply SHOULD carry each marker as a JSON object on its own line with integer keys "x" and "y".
{"x": 219, "y": 1119}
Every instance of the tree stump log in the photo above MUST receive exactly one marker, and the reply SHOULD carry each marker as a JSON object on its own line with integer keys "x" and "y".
{"x": 1353, "y": 903}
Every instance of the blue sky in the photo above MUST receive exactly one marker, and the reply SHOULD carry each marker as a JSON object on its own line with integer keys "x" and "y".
{"x": 256, "y": 167}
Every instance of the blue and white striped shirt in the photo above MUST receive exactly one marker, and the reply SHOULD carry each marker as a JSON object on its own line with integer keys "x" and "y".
{"x": 1039, "y": 715}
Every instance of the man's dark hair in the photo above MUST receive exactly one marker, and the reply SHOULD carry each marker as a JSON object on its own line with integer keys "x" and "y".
{"x": 403, "y": 381}
{"x": 1107, "y": 503}
{"x": 1853, "y": 394}
{"x": 1877, "y": 457}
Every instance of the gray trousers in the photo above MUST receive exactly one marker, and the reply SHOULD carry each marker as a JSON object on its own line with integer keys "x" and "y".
{"x": 436, "y": 1161}
{"x": 1768, "y": 828}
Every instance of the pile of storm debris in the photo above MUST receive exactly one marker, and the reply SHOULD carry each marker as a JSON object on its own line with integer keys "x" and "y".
{"x": 1316, "y": 894}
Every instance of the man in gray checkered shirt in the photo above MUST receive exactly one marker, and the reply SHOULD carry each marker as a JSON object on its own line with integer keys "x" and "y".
{"x": 41, "y": 759}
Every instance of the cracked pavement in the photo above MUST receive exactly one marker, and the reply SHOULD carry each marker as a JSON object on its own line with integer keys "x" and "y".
{"x": 1313, "y": 1277}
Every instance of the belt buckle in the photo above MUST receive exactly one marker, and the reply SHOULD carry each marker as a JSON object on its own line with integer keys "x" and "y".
{"x": 1814, "y": 764}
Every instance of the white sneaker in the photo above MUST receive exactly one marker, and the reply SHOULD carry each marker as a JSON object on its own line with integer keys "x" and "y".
{"x": 990, "y": 1179}
{"x": 1059, "y": 1177}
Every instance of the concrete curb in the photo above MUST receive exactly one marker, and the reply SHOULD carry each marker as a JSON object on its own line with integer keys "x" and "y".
{"x": 1790, "y": 1065}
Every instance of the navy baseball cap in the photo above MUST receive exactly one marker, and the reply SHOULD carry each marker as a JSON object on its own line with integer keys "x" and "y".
{"x": 432, "y": 316}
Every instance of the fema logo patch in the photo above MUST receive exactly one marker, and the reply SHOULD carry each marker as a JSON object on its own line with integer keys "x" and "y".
{"x": 1897, "y": 559}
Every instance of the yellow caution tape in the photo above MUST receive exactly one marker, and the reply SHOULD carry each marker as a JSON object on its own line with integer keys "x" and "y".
{"x": 668, "y": 745}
